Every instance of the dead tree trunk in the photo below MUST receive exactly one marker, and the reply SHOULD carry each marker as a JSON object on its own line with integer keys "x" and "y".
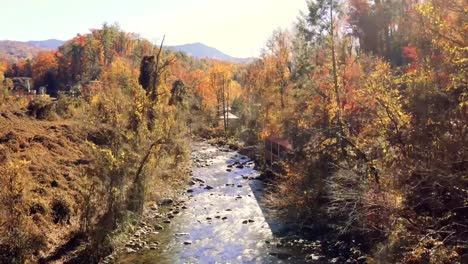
{"x": 151, "y": 70}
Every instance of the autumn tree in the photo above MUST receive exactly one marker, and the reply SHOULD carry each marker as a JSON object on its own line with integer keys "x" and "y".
{"x": 22, "y": 68}
{"x": 220, "y": 76}
{"x": 3, "y": 68}
{"x": 44, "y": 71}
{"x": 378, "y": 101}
{"x": 85, "y": 58}
{"x": 379, "y": 26}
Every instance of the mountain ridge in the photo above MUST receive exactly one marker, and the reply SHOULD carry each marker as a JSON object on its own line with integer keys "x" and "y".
{"x": 48, "y": 43}
{"x": 13, "y": 50}
{"x": 203, "y": 51}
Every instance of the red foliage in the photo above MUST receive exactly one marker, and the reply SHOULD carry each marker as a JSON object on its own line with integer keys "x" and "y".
{"x": 80, "y": 39}
{"x": 410, "y": 52}
{"x": 360, "y": 7}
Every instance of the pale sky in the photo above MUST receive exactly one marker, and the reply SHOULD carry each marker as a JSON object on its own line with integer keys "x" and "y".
{"x": 237, "y": 27}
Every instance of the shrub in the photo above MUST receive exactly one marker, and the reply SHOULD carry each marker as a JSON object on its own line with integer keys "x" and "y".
{"x": 66, "y": 106}
{"x": 60, "y": 211}
{"x": 18, "y": 236}
{"x": 16, "y": 248}
{"x": 41, "y": 108}
{"x": 360, "y": 202}
{"x": 300, "y": 190}
{"x": 37, "y": 207}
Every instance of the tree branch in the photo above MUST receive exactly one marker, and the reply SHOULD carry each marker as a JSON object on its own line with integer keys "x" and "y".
{"x": 146, "y": 158}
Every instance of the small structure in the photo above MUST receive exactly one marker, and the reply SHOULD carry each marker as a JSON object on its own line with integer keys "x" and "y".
{"x": 230, "y": 116}
{"x": 42, "y": 91}
{"x": 22, "y": 86}
{"x": 276, "y": 149}
{"x": 233, "y": 121}
{"x": 75, "y": 89}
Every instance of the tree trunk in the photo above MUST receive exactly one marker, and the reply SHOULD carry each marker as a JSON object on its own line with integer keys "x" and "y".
{"x": 335, "y": 84}
{"x": 224, "y": 103}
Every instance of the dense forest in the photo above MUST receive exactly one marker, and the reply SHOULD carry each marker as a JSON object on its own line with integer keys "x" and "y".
{"x": 372, "y": 96}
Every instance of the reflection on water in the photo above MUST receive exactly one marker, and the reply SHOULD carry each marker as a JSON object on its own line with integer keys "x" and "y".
{"x": 222, "y": 221}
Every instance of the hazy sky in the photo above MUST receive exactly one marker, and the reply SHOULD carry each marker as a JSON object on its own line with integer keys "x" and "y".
{"x": 237, "y": 27}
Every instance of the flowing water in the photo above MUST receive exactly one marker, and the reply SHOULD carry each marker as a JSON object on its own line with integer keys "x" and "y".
{"x": 222, "y": 219}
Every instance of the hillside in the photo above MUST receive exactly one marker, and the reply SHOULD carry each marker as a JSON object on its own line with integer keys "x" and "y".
{"x": 45, "y": 160}
{"x": 62, "y": 161}
{"x": 12, "y": 51}
{"x": 200, "y": 50}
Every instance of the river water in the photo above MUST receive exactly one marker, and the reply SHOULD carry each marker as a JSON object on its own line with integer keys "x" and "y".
{"x": 221, "y": 219}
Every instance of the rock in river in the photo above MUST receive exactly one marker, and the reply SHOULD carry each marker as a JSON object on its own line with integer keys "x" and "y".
{"x": 280, "y": 255}
{"x": 130, "y": 250}
{"x": 166, "y": 201}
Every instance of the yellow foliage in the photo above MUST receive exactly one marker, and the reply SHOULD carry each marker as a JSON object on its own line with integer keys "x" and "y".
{"x": 446, "y": 26}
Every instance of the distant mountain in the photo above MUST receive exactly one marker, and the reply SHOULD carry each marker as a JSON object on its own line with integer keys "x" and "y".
{"x": 200, "y": 50}
{"x": 15, "y": 50}
{"x": 49, "y": 43}
{"x": 12, "y": 51}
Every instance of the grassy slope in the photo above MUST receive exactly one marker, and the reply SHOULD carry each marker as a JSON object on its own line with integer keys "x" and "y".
{"x": 55, "y": 152}
{"x": 12, "y": 51}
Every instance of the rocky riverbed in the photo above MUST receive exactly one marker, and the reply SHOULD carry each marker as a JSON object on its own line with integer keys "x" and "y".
{"x": 221, "y": 218}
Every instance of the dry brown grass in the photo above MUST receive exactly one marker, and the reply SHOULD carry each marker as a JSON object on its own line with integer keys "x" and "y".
{"x": 84, "y": 170}
{"x": 53, "y": 157}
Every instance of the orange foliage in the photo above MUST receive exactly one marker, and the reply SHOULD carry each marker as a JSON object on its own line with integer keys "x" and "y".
{"x": 3, "y": 66}
{"x": 119, "y": 74}
{"x": 42, "y": 63}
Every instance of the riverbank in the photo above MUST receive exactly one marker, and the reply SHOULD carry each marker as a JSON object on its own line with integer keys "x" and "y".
{"x": 70, "y": 182}
{"x": 223, "y": 217}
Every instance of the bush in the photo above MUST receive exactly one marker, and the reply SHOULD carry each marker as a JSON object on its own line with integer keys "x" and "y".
{"x": 300, "y": 190}
{"x": 18, "y": 236}
{"x": 41, "y": 108}
{"x": 362, "y": 204}
{"x": 60, "y": 211}
{"x": 37, "y": 207}
{"x": 66, "y": 106}
{"x": 18, "y": 247}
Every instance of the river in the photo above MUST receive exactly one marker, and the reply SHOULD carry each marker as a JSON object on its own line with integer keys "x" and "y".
{"x": 221, "y": 218}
